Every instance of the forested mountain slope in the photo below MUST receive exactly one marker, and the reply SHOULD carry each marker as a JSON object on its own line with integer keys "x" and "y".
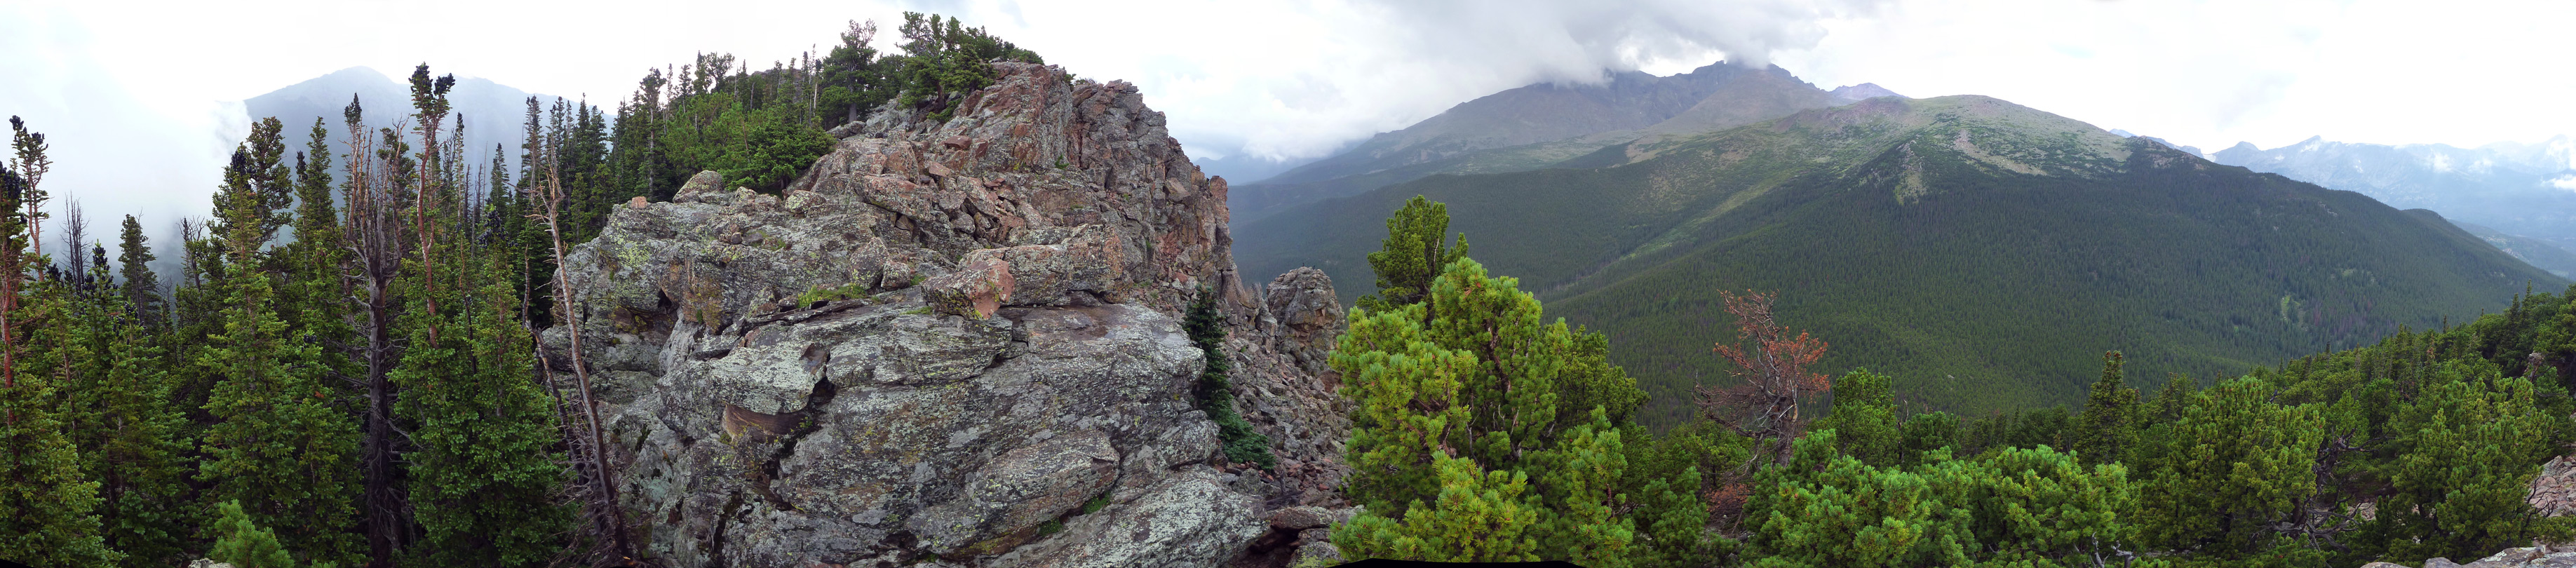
{"x": 1532, "y": 126}
{"x": 1965, "y": 244}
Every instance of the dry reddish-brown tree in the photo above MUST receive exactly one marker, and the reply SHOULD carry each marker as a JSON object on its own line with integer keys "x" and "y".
{"x": 1771, "y": 366}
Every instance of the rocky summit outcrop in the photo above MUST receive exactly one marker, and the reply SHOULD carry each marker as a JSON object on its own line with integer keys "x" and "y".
{"x": 951, "y": 343}
{"x": 2553, "y": 492}
{"x": 2525, "y": 557}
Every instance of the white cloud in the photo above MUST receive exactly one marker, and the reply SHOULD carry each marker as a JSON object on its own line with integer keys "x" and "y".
{"x": 2566, "y": 182}
{"x": 1299, "y": 79}
{"x": 2211, "y": 73}
{"x": 133, "y": 93}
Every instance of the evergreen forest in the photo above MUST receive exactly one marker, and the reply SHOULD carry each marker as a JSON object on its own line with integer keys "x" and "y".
{"x": 1487, "y": 431}
{"x": 343, "y": 371}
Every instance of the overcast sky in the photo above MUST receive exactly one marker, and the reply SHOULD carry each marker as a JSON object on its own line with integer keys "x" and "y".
{"x": 142, "y": 99}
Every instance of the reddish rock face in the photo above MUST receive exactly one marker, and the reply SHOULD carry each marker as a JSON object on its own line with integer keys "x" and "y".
{"x": 1034, "y": 160}
{"x": 944, "y": 337}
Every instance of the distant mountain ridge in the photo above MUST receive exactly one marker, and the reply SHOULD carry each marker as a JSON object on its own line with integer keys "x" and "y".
{"x": 2517, "y": 189}
{"x": 492, "y": 112}
{"x": 1964, "y": 244}
{"x": 2541, "y": 254}
{"x": 1848, "y": 94}
{"x": 1536, "y": 125}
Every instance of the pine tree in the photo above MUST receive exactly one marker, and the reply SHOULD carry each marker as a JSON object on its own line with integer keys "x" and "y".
{"x": 241, "y": 542}
{"x": 2034, "y": 507}
{"x": 257, "y": 187}
{"x": 1478, "y": 516}
{"x": 146, "y": 466}
{"x": 380, "y": 169}
{"x": 196, "y": 312}
{"x": 129, "y": 431}
{"x": 1672, "y": 521}
{"x": 2010, "y": 507}
{"x": 1479, "y": 389}
{"x": 278, "y": 445}
{"x": 1414, "y": 253}
{"x": 2233, "y": 464}
{"x": 46, "y": 506}
{"x": 853, "y": 79}
{"x": 1583, "y": 473}
{"x": 2110, "y": 416}
{"x": 944, "y": 60}
{"x": 1407, "y": 408}
{"x": 1206, "y": 327}
{"x": 1927, "y": 432}
{"x": 2461, "y": 465}
{"x": 1864, "y": 419}
{"x": 142, "y": 288}
{"x": 485, "y": 472}
{"x": 1823, "y": 508}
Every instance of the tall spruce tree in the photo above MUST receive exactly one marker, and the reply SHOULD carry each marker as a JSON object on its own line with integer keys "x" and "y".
{"x": 47, "y": 507}
{"x": 2109, "y": 422}
{"x": 138, "y": 457}
{"x": 854, "y": 80}
{"x": 279, "y": 445}
{"x": 483, "y": 476}
{"x": 142, "y": 288}
{"x": 944, "y": 60}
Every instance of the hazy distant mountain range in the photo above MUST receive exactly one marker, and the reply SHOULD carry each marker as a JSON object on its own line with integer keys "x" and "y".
{"x": 2512, "y": 189}
{"x": 1533, "y": 126}
{"x": 492, "y": 112}
{"x": 1965, "y": 244}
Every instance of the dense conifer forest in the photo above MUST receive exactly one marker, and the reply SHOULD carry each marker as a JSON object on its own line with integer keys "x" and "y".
{"x": 344, "y": 372}
{"x": 1488, "y": 432}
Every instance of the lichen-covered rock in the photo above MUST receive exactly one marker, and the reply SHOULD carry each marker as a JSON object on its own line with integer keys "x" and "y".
{"x": 1282, "y": 387}
{"x": 699, "y": 187}
{"x": 2553, "y": 492}
{"x": 1191, "y": 519}
{"x": 1300, "y": 518}
{"x": 948, "y": 344}
{"x": 1302, "y": 317}
{"x": 976, "y": 289}
{"x": 1317, "y": 554}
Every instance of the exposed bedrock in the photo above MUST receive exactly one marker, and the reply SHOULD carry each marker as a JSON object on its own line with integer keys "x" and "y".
{"x": 953, "y": 344}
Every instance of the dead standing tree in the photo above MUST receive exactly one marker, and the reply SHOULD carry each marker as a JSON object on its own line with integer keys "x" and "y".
{"x": 371, "y": 240}
{"x": 599, "y": 489}
{"x": 1772, "y": 366}
{"x": 27, "y": 170}
{"x": 429, "y": 99}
